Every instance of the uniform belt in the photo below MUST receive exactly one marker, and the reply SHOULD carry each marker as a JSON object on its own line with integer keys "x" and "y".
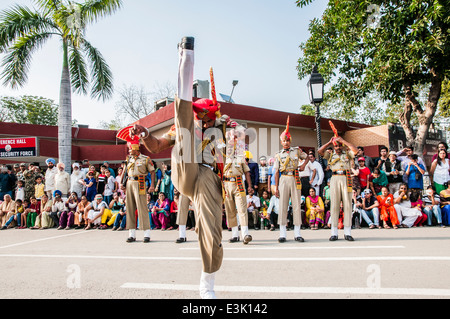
{"x": 133, "y": 178}
{"x": 230, "y": 179}
{"x": 288, "y": 173}
{"x": 340, "y": 172}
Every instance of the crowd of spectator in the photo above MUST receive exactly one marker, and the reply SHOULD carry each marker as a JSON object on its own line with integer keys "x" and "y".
{"x": 388, "y": 192}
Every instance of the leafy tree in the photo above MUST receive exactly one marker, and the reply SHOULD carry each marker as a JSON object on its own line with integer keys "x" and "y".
{"x": 383, "y": 47}
{"x": 23, "y": 31}
{"x": 28, "y": 109}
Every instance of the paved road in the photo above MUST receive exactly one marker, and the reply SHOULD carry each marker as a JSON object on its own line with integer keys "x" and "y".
{"x": 381, "y": 263}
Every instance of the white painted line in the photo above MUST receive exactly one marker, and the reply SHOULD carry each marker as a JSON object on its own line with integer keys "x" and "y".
{"x": 41, "y": 239}
{"x": 251, "y": 259}
{"x": 250, "y": 247}
{"x": 298, "y": 290}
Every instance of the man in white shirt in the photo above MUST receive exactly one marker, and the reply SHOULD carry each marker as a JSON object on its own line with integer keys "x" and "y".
{"x": 62, "y": 181}
{"x": 305, "y": 169}
{"x": 50, "y": 177}
{"x": 253, "y": 204}
{"x": 405, "y": 159}
{"x": 75, "y": 184}
{"x": 317, "y": 174}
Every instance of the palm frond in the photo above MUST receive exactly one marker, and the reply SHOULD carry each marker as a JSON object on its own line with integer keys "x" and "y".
{"x": 101, "y": 75}
{"x": 92, "y": 10}
{"x": 20, "y": 20}
{"x": 18, "y": 58}
{"x": 78, "y": 72}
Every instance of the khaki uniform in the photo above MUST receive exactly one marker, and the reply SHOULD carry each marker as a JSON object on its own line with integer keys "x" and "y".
{"x": 340, "y": 186}
{"x": 289, "y": 186}
{"x": 136, "y": 195}
{"x": 183, "y": 210}
{"x": 235, "y": 197}
{"x": 199, "y": 182}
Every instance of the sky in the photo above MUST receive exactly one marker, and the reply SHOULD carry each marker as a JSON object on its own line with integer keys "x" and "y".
{"x": 253, "y": 41}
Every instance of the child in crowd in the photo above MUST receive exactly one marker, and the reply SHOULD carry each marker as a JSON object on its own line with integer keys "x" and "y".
{"x": 20, "y": 190}
{"x": 39, "y": 188}
{"x": 265, "y": 202}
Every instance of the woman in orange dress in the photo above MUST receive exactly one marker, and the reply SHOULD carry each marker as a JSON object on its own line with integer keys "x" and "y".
{"x": 387, "y": 210}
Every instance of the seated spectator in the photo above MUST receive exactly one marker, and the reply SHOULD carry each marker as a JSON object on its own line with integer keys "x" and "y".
{"x": 161, "y": 211}
{"x": 150, "y": 204}
{"x": 190, "y": 224}
{"x": 66, "y": 220}
{"x": 80, "y": 216}
{"x": 272, "y": 211}
{"x": 58, "y": 206}
{"x": 414, "y": 171}
{"x": 406, "y": 214}
{"x": 265, "y": 202}
{"x": 445, "y": 204}
{"x": 314, "y": 209}
{"x": 387, "y": 210}
{"x": 416, "y": 202}
{"x": 356, "y": 206}
{"x": 44, "y": 220}
{"x": 432, "y": 206}
{"x": 15, "y": 218}
{"x": 7, "y": 209}
{"x": 394, "y": 172}
{"x": 253, "y": 205}
{"x": 377, "y": 180}
{"x": 120, "y": 221}
{"x": 30, "y": 214}
{"x": 439, "y": 171}
{"x": 94, "y": 212}
{"x": 369, "y": 209}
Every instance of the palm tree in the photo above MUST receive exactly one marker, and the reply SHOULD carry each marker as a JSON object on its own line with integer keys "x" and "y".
{"x": 23, "y": 31}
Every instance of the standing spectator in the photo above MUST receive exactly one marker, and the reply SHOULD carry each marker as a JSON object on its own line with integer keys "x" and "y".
{"x": 20, "y": 190}
{"x": 379, "y": 161}
{"x": 272, "y": 211}
{"x": 161, "y": 211}
{"x": 315, "y": 209}
{"x": 271, "y": 176}
{"x": 377, "y": 180}
{"x": 431, "y": 206}
{"x": 253, "y": 204}
{"x": 439, "y": 171}
{"x": 405, "y": 159}
{"x": 414, "y": 171}
{"x": 370, "y": 209}
{"x": 119, "y": 178}
{"x": 29, "y": 177}
{"x": 110, "y": 187}
{"x": 106, "y": 164}
{"x": 166, "y": 185}
{"x": 441, "y": 146}
{"x": 76, "y": 180}
{"x": 7, "y": 182}
{"x": 19, "y": 174}
{"x": 394, "y": 172}
{"x": 158, "y": 177}
{"x": 364, "y": 174}
{"x": 101, "y": 180}
{"x": 49, "y": 178}
{"x": 85, "y": 165}
{"x": 305, "y": 168}
{"x": 91, "y": 186}
{"x": 445, "y": 204}
{"x": 254, "y": 170}
{"x": 39, "y": 188}
{"x": 316, "y": 178}
{"x": 368, "y": 162}
{"x": 263, "y": 183}
{"x": 62, "y": 181}
{"x": 387, "y": 209}
{"x": 406, "y": 214}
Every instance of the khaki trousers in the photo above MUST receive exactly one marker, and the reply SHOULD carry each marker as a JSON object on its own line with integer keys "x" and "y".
{"x": 338, "y": 193}
{"x": 135, "y": 201}
{"x": 288, "y": 189}
{"x": 183, "y": 209}
{"x": 235, "y": 204}
{"x": 200, "y": 184}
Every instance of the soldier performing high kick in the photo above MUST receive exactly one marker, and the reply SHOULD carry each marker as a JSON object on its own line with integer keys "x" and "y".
{"x": 137, "y": 167}
{"x": 340, "y": 162}
{"x": 288, "y": 185}
{"x": 197, "y": 161}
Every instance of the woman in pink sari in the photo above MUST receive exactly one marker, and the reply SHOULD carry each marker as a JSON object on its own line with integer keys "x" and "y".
{"x": 314, "y": 209}
{"x": 387, "y": 210}
{"x": 161, "y": 211}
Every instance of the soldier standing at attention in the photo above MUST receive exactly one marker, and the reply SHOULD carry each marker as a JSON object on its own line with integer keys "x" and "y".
{"x": 137, "y": 167}
{"x": 288, "y": 185}
{"x": 340, "y": 162}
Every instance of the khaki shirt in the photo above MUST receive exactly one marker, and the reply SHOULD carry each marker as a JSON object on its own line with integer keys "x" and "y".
{"x": 235, "y": 167}
{"x": 140, "y": 165}
{"x": 287, "y": 160}
{"x": 343, "y": 161}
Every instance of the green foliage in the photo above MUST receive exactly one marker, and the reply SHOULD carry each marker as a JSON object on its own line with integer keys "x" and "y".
{"x": 28, "y": 109}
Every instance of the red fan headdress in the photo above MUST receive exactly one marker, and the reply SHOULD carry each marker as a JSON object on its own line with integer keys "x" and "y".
{"x": 286, "y": 135}
{"x": 207, "y": 107}
{"x": 124, "y": 135}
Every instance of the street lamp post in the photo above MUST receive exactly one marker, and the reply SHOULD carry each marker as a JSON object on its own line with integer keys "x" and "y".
{"x": 235, "y": 82}
{"x": 315, "y": 91}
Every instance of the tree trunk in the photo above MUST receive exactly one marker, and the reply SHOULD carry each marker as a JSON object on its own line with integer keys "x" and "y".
{"x": 405, "y": 116}
{"x": 65, "y": 114}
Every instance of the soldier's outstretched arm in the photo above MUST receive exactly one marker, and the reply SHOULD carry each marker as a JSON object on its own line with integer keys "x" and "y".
{"x": 153, "y": 144}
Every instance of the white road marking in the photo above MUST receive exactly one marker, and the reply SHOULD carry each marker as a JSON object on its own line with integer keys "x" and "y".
{"x": 298, "y": 290}
{"x": 251, "y": 259}
{"x": 299, "y": 248}
{"x": 41, "y": 239}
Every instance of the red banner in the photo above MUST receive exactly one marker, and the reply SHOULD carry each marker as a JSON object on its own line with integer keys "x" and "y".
{"x": 18, "y": 147}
